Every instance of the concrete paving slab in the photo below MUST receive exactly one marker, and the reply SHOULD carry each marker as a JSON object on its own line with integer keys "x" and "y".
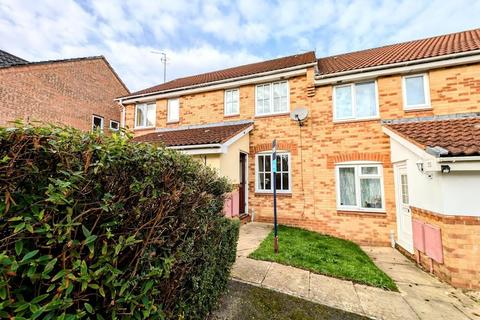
{"x": 249, "y": 270}
{"x": 251, "y": 235}
{"x": 439, "y": 310}
{"x": 386, "y": 254}
{"x": 383, "y": 304}
{"x": 334, "y": 293}
{"x": 287, "y": 279}
{"x": 409, "y": 273}
{"x": 427, "y": 293}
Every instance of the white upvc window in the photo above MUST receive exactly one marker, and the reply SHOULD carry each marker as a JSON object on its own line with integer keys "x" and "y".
{"x": 355, "y": 101}
{"x": 232, "y": 102}
{"x": 97, "y": 123}
{"x": 360, "y": 187}
{"x": 416, "y": 92}
{"x": 272, "y": 98}
{"x": 114, "y": 125}
{"x": 145, "y": 115}
{"x": 173, "y": 110}
{"x": 264, "y": 172}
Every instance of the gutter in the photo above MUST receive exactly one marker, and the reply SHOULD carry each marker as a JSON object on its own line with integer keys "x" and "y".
{"x": 208, "y": 86}
{"x": 401, "y": 67}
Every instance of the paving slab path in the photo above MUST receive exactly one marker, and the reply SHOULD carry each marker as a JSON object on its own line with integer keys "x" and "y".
{"x": 421, "y": 296}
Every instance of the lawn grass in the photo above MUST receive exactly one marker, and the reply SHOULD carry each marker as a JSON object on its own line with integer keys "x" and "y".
{"x": 324, "y": 255}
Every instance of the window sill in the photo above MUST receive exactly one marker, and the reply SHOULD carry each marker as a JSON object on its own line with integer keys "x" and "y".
{"x": 270, "y": 194}
{"x": 231, "y": 115}
{"x": 355, "y": 120}
{"x": 173, "y": 122}
{"x": 272, "y": 115}
{"x": 143, "y": 128}
{"x": 361, "y": 213}
{"x": 428, "y": 108}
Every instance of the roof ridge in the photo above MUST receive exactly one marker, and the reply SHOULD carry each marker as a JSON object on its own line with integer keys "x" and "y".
{"x": 401, "y": 43}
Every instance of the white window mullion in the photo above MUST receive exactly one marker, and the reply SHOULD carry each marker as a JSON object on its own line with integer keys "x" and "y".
{"x": 354, "y": 101}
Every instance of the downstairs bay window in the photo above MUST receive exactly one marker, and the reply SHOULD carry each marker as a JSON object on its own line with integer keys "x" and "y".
{"x": 264, "y": 173}
{"x": 360, "y": 187}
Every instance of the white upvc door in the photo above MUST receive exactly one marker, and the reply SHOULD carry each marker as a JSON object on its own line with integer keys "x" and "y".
{"x": 404, "y": 215}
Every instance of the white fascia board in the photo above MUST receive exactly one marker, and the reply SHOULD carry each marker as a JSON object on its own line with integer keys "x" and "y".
{"x": 399, "y": 68}
{"x": 201, "y": 151}
{"x": 224, "y": 84}
{"x": 407, "y": 144}
{"x": 237, "y": 137}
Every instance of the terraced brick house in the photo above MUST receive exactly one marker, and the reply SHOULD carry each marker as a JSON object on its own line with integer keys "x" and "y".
{"x": 389, "y": 153}
{"x": 77, "y": 92}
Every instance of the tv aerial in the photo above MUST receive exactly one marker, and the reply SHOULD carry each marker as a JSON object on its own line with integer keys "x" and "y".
{"x": 299, "y": 114}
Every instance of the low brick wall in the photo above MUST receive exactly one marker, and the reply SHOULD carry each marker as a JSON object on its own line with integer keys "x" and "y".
{"x": 461, "y": 248}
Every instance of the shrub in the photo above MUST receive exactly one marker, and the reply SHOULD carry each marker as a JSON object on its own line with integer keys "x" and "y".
{"x": 100, "y": 227}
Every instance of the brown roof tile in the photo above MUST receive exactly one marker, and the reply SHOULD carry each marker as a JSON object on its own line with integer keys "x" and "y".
{"x": 195, "y": 136}
{"x": 402, "y": 52}
{"x": 460, "y": 137}
{"x": 230, "y": 73}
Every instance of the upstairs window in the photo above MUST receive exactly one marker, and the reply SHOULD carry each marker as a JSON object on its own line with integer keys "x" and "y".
{"x": 145, "y": 115}
{"x": 360, "y": 187}
{"x": 232, "y": 102}
{"x": 114, "y": 125}
{"x": 355, "y": 101}
{"x": 264, "y": 172}
{"x": 173, "y": 112}
{"x": 97, "y": 123}
{"x": 272, "y": 98}
{"x": 416, "y": 92}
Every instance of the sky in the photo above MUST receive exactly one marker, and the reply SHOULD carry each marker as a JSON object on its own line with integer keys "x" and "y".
{"x": 202, "y": 36}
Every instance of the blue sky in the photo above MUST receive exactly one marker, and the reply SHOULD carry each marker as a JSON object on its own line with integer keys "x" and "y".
{"x": 200, "y": 36}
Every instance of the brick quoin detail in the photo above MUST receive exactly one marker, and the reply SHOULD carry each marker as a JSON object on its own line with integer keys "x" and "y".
{"x": 358, "y": 156}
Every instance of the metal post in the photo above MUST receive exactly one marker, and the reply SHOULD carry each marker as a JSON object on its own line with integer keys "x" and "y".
{"x": 274, "y": 170}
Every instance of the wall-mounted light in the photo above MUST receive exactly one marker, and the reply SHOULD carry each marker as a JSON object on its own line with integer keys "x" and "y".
{"x": 445, "y": 168}
{"x": 420, "y": 166}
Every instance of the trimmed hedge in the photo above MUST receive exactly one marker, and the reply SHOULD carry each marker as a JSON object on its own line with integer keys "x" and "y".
{"x": 100, "y": 227}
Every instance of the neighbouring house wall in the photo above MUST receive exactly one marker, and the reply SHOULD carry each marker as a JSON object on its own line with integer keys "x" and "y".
{"x": 230, "y": 161}
{"x": 461, "y": 248}
{"x": 67, "y": 93}
{"x": 455, "y": 193}
{"x": 320, "y": 144}
{"x": 212, "y": 160}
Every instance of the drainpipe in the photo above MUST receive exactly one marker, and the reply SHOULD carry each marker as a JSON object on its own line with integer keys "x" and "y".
{"x": 392, "y": 238}
{"x": 124, "y": 114}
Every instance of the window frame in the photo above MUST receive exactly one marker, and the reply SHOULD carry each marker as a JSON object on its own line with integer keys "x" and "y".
{"x": 170, "y": 120}
{"x": 426, "y": 92}
{"x": 225, "y": 102}
{"x": 114, "y": 121}
{"x": 257, "y": 180}
{"x": 93, "y": 122}
{"x": 358, "y": 175}
{"x": 271, "y": 98}
{"x": 353, "y": 95}
{"x": 154, "y": 104}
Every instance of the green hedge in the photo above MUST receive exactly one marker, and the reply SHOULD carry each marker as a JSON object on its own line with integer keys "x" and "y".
{"x": 103, "y": 228}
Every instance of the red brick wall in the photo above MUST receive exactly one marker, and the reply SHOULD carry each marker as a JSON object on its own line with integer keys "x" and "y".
{"x": 62, "y": 92}
{"x": 321, "y": 143}
{"x": 461, "y": 248}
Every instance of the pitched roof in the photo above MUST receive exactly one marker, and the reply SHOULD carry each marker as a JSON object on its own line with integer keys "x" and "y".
{"x": 8, "y": 59}
{"x": 235, "y": 72}
{"x": 27, "y": 63}
{"x": 208, "y": 134}
{"x": 459, "y": 136}
{"x": 458, "y": 42}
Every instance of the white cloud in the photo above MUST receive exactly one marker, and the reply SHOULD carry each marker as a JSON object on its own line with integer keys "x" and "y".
{"x": 200, "y": 36}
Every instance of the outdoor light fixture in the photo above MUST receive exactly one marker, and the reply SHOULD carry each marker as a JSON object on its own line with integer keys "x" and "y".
{"x": 445, "y": 169}
{"x": 420, "y": 166}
